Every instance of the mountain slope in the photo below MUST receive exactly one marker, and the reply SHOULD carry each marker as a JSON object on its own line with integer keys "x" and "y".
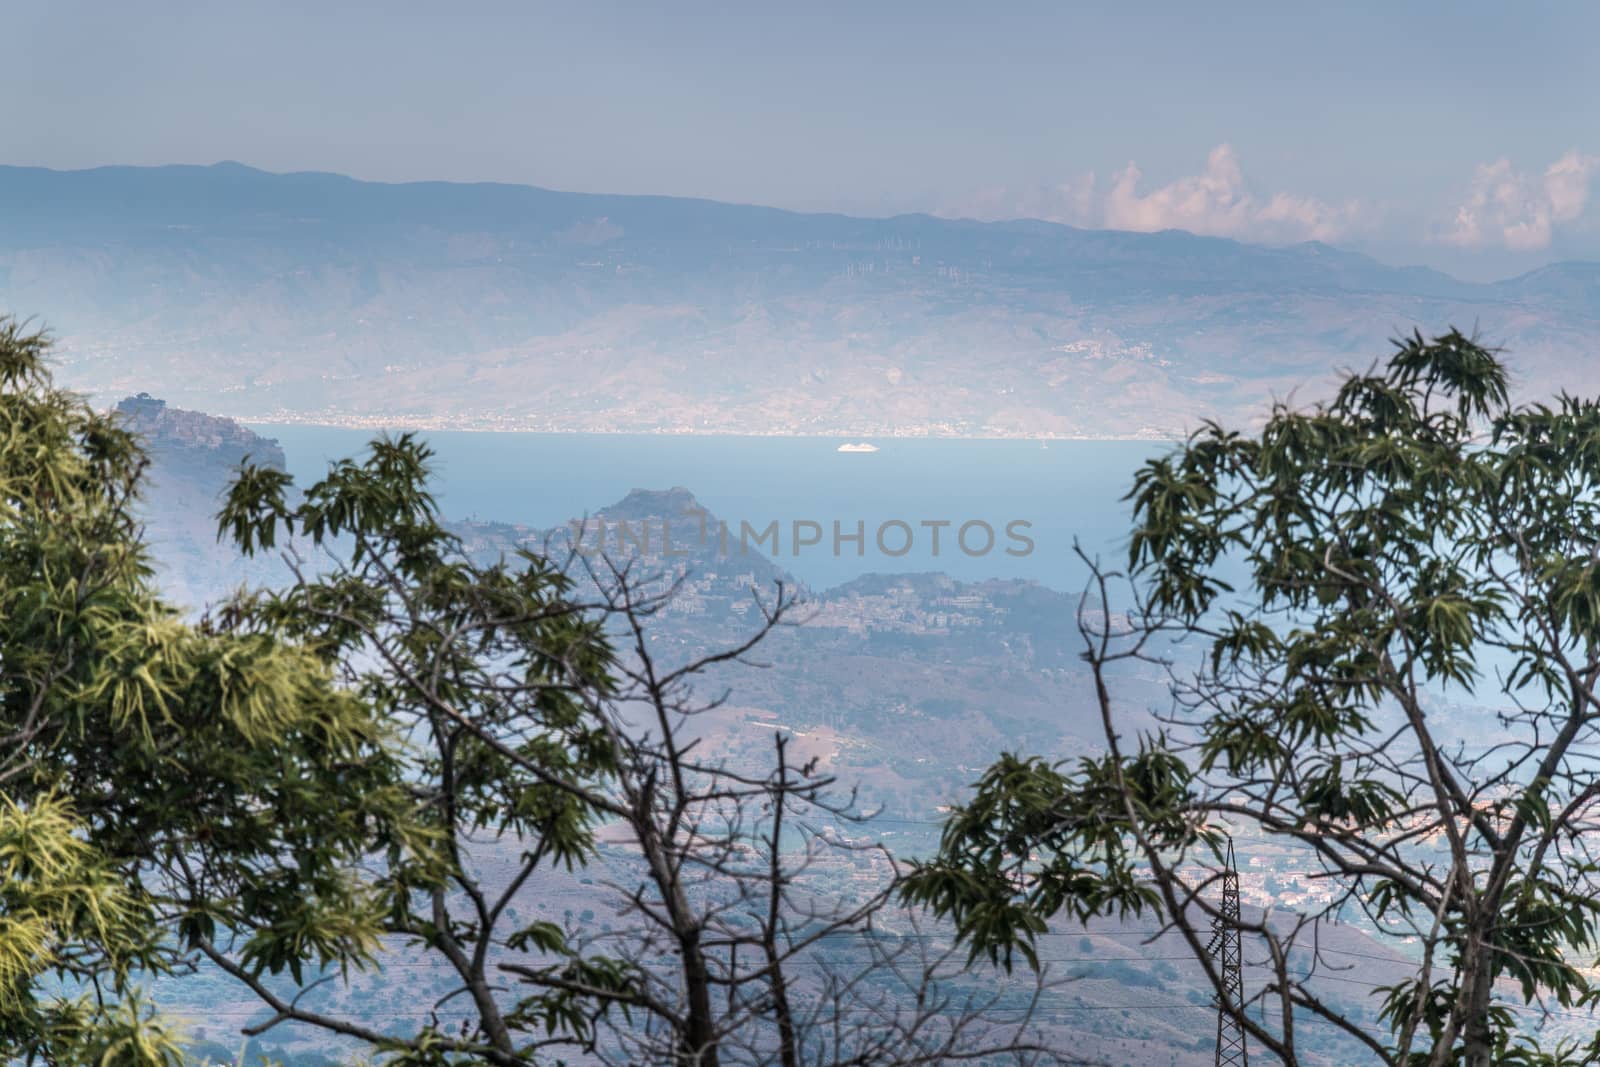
{"x": 315, "y": 296}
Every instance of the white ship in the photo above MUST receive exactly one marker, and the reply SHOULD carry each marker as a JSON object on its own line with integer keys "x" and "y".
{"x": 862, "y": 447}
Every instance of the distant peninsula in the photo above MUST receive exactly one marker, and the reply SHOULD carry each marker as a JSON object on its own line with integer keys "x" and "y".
{"x": 182, "y": 438}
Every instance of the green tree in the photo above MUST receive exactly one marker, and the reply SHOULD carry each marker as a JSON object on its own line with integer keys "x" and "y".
{"x": 143, "y": 754}
{"x": 525, "y": 728}
{"x": 490, "y": 674}
{"x": 1415, "y": 540}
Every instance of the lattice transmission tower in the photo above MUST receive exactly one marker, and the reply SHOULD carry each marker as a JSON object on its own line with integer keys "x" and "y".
{"x": 1226, "y": 955}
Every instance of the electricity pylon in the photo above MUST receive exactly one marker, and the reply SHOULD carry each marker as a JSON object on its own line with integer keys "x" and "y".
{"x": 1226, "y": 955}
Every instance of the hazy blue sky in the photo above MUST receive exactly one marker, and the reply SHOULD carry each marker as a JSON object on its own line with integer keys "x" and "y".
{"x": 1464, "y": 134}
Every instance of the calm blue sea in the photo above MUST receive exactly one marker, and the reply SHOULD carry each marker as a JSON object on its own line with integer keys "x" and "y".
{"x": 1061, "y": 490}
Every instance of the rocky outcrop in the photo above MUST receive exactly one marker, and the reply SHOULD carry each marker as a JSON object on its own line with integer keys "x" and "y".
{"x": 193, "y": 459}
{"x": 175, "y": 434}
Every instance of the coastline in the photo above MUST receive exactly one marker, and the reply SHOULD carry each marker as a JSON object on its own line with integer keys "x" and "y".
{"x": 426, "y": 424}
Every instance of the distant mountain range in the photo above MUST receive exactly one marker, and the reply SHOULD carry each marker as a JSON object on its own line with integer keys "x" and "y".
{"x": 321, "y": 298}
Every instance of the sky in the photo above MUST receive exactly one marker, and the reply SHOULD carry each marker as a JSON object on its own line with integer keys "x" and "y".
{"x": 1463, "y": 135}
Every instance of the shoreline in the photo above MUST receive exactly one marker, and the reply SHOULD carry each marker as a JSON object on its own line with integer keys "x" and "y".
{"x": 424, "y": 425}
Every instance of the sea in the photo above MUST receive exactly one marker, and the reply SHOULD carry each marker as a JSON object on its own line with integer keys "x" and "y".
{"x": 972, "y": 509}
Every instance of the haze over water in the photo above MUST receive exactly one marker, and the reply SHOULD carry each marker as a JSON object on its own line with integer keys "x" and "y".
{"x": 1068, "y": 489}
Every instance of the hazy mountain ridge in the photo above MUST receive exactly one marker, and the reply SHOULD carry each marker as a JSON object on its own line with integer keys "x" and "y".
{"x": 319, "y": 297}
{"x": 879, "y": 670}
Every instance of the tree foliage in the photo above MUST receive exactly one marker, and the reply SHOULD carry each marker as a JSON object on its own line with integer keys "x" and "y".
{"x": 137, "y": 745}
{"x": 1392, "y": 606}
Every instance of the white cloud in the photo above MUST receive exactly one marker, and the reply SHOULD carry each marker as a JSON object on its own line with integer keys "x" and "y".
{"x": 1520, "y": 210}
{"x": 1217, "y": 202}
